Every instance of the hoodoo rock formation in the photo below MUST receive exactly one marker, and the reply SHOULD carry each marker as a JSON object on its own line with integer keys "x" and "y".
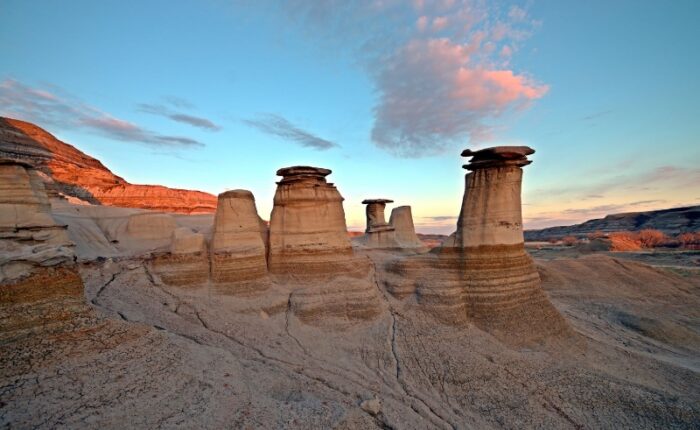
{"x": 308, "y": 234}
{"x": 79, "y": 176}
{"x": 238, "y": 264}
{"x": 379, "y": 234}
{"x": 309, "y": 242}
{"x": 483, "y": 274}
{"x": 404, "y": 231}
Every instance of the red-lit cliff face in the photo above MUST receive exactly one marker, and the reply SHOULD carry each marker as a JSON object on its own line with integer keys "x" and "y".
{"x": 77, "y": 174}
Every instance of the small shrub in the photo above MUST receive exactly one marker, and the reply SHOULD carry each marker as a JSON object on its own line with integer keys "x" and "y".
{"x": 624, "y": 241}
{"x": 689, "y": 240}
{"x": 651, "y": 238}
{"x": 569, "y": 240}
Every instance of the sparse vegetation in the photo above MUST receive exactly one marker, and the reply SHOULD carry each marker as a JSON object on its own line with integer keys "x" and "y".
{"x": 569, "y": 240}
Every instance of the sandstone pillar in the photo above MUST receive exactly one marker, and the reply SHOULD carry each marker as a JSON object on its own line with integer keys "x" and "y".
{"x": 237, "y": 250}
{"x": 310, "y": 250}
{"x": 405, "y": 232}
{"x": 378, "y": 234}
{"x": 308, "y": 234}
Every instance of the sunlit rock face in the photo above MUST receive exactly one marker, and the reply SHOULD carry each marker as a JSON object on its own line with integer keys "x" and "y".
{"x": 237, "y": 250}
{"x": 79, "y": 176}
{"x": 308, "y": 234}
{"x": 310, "y": 251}
{"x": 29, "y": 236}
{"x": 404, "y": 231}
{"x": 483, "y": 274}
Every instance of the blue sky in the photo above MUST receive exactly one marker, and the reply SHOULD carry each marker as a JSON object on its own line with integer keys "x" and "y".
{"x": 216, "y": 95}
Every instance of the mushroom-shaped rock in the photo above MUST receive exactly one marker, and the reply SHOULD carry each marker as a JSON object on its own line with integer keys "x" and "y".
{"x": 310, "y": 249}
{"x": 379, "y": 233}
{"x": 484, "y": 274}
{"x": 308, "y": 234}
{"x": 238, "y": 264}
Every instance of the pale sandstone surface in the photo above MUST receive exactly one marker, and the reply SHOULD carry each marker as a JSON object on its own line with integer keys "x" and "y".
{"x": 482, "y": 274}
{"x": 310, "y": 253}
{"x": 83, "y": 178}
{"x": 405, "y": 232}
{"x": 144, "y": 355}
{"x": 238, "y": 253}
{"x": 29, "y": 235}
{"x": 114, "y": 343}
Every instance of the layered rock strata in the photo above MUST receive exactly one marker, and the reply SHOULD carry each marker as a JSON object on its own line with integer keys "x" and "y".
{"x": 378, "y": 234}
{"x": 310, "y": 251}
{"x": 187, "y": 264}
{"x": 83, "y": 178}
{"x": 308, "y": 234}
{"x": 483, "y": 274}
{"x": 29, "y": 236}
{"x": 237, "y": 251}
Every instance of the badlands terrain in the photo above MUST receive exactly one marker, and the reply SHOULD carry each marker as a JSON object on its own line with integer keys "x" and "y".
{"x": 122, "y": 308}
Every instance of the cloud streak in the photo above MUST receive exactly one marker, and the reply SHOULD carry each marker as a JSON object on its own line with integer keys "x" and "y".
{"x": 164, "y": 111}
{"x": 46, "y": 108}
{"x": 279, "y": 126}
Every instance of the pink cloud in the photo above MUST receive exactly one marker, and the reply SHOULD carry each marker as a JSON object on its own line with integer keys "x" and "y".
{"x": 439, "y": 23}
{"x": 422, "y": 23}
{"x": 432, "y": 93}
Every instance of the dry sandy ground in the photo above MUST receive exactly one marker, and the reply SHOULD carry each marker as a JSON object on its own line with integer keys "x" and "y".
{"x": 137, "y": 354}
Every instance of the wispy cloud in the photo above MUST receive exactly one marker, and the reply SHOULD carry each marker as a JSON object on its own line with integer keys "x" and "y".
{"x": 164, "y": 111}
{"x": 596, "y": 115}
{"x": 441, "y": 217}
{"x": 45, "y": 108}
{"x": 279, "y": 126}
{"x": 440, "y": 69}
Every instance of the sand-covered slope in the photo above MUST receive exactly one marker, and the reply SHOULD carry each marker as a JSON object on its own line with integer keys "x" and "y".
{"x": 76, "y": 174}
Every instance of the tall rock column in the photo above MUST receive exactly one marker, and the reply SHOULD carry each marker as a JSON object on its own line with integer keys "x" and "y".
{"x": 310, "y": 250}
{"x": 405, "y": 232}
{"x": 237, "y": 250}
{"x": 378, "y": 234}
{"x": 482, "y": 274}
{"x": 308, "y": 234}
{"x": 502, "y": 289}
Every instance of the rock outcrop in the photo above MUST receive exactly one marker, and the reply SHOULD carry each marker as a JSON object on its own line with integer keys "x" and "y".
{"x": 310, "y": 251}
{"x": 482, "y": 274}
{"x": 404, "y": 231}
{"x": 77, "y": 175}
{"x": 308, "y": 234}
{"x": 187, "y": 264}
{"x": 237, "y": 252}
{"x": 29, "y": 236}
{"x": 378, "y": 234}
